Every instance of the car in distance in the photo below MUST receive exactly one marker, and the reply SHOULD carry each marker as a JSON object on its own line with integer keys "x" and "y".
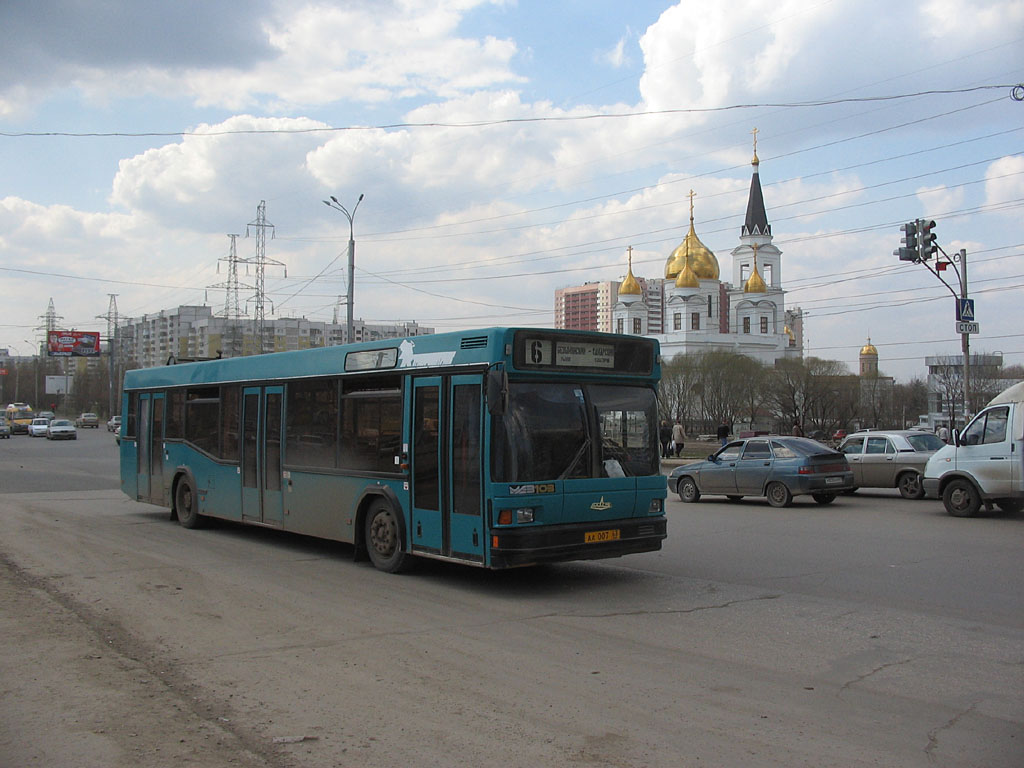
{"x": 5, "y": 428}
{"x": 775, "y": 467}
{"x": 114, "y": 424}
{"x": 48, "y": 415}
{"x": 61, "y": 429}
{"x": 891, "y": 459}
{"x": 88, "y": 420}
{"x": 839, "y": 434}
{"x": 38, "y": 427}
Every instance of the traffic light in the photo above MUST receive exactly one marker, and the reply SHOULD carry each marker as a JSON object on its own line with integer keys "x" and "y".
{"x": 926, "y": 246}
{"x": 908, "y": 251}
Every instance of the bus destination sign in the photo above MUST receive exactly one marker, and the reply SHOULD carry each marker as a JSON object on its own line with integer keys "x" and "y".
{"x": 570, "y": 354}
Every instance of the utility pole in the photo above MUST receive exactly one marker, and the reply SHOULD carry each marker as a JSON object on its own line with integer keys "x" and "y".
{"x": 261, "y": 225}
{"x": 333, "y": 203}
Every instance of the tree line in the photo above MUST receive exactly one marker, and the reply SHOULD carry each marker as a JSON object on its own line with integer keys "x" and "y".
{"x": 706, "y": 389}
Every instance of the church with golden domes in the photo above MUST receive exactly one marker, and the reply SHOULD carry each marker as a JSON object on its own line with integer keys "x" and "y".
{"x": 699, "y": 311}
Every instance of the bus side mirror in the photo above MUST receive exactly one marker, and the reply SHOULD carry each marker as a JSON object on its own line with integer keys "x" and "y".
{"x": 497, "y": 391}
{"x": 955, "y": 436}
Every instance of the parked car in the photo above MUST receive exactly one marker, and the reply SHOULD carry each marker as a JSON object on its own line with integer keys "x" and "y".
{"x": 88, "y": 420}
{"x": 985, "y": 463}
{"x": 5, "y": 428}
{"x": 839, "y": 434}
{"x": 893, "y": 459}
{"x": 777, "y": 468}
{"x": 114, "y": 424}
{"x": 61, "y": 429}
{"x": 38, "y": 427}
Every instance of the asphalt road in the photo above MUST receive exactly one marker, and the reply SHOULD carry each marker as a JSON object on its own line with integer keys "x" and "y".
{"x": 874, "y": 631}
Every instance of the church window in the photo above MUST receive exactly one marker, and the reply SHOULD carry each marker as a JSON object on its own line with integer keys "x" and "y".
{"x": 709, "y": 305}
{"x": 767, "y": 274}
{"x": 636, "y": 325}
{"x": 764, "y": 325}
{"x": 744, "y": 273}
{"x": 618, "y": 325}
{"x": 677, "y": 321}
{"x": 695, "y": 321}
{"x": 746, "y": 325}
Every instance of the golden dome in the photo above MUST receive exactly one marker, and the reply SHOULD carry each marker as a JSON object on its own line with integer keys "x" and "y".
{"x": 687, "y": 278}
{"x": 869, "y": 349}
{"x": 630, "y": 286}
{"x": 701, "y": 260}
{"x": 755, "y": 283}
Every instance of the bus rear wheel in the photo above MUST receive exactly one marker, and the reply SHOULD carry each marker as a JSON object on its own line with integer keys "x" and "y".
{"x": 186, "y": 506}
{"x": 384, "y": 538}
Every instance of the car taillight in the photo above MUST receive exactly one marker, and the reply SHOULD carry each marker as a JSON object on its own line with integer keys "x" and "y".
{"x": 805, "y": 470}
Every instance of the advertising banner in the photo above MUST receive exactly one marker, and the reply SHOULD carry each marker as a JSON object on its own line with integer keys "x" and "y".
{"x": 72, "y": 344}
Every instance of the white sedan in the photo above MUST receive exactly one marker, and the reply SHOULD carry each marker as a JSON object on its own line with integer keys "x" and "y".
{"x": 61, "y": 429}
{"x": 38, "y": 427}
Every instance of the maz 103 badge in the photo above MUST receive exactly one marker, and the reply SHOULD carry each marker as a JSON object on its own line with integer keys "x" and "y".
{"x": 531, "y": 488}
{"x": 570, "y": 354}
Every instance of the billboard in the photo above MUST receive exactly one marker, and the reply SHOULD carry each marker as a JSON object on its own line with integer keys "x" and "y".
{"x": 72, "y": 344}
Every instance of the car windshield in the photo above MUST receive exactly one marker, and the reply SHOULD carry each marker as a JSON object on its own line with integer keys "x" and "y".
{"x": 39, "y": 421}
{"x": 553, "y": 431}
{"x": 925, "y": 442}
{"x": 60, "y": 423}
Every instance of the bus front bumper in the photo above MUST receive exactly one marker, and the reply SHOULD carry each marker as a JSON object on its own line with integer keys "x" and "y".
{"x": 511, "y": 547}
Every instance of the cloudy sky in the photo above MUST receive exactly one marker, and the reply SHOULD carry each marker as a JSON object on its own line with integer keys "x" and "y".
{"x": 506, "y": 149}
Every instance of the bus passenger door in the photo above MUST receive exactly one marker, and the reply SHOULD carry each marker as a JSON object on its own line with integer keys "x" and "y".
{"x": 465, "y": 507}
{"x": 262, "y": 425}
{"x": 426, "y": 534}
{"x": 447, "y": 516}
{"x": 150, "y": 454}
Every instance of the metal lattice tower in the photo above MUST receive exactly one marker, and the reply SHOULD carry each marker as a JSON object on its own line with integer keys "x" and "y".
{"x": 51, "y": 322}
{"x": 112, "y": 351}
{"x": 232, "y": 309}
{"x": 260, "y": 260}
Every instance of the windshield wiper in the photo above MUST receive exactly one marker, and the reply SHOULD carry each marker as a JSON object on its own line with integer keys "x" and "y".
{"x": 575, "y": 459}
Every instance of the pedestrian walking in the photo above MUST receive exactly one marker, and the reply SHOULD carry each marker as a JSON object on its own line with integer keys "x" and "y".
{"x": 723, "y": 433}
{"x": 665, "y": 437}
{"x": 944, "y": 433}
{"x": 797, "y": 430}
{"x": 678, "y": 438}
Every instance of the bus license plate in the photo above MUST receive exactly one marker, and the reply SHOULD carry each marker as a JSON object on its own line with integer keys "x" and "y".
{"x": 595, "y": 537}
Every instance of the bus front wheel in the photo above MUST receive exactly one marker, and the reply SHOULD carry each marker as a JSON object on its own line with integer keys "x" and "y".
{"x": 186, "y": 505}
{"x": 384, "y": 538}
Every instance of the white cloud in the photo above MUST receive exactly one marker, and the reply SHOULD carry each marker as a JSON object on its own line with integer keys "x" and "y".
{"x": 1004, "y": 183}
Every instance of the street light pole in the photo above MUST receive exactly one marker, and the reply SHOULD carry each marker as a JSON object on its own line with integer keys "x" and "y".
{"x": 350, "y": 298}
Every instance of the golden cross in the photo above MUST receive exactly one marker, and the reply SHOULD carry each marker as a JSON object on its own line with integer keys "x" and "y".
{"x": 691, "y": 196}
{"x": 755, "y": 140}
{"x": 629, "y": 253}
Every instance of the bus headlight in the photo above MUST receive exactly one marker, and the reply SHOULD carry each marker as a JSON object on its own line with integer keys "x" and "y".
{"x": 655, "y": 507}
{"x": 521, "y": 515}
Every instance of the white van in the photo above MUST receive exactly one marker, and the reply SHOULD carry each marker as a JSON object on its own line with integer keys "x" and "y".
{"x": 985, "y": 463}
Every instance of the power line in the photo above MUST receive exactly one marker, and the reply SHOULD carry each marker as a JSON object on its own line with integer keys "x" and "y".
{"x": 1011, "y": 87}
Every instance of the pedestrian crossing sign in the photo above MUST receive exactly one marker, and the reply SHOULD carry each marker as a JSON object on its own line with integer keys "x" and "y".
{"x": 965, "y": 310}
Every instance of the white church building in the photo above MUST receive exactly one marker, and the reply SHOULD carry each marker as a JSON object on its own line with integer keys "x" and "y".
{"x": 700, "y": 311}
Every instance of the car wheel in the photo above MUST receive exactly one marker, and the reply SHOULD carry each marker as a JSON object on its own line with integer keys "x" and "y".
{"x": 186, "y": 505}
{"x": 910, "y": 485}
{"x": 960, "y": 499}
{"x": 688, "y": 490}
{"x": 778, "y": 494}
{"x": 734, "y": 498}
{"x": 823, "y": 498}
{"x": 384, "y": 538}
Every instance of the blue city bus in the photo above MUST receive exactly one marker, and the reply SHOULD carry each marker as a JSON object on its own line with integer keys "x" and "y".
{"x": 499, "y": 447}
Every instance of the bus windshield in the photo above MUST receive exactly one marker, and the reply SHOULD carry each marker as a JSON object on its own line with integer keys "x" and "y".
{"x": 553, "y": 431}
